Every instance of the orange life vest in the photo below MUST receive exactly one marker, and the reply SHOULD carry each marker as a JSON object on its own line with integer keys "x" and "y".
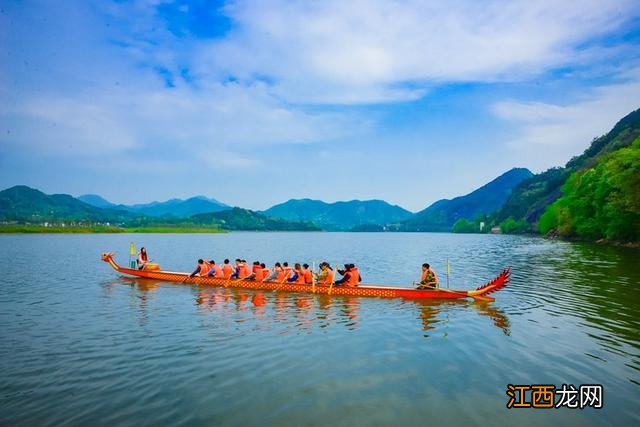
{"x": 287, "y": 271}
{"x": 354, "y": 277}
{"x": 217, "y": 271}
{"x": 245, "y": 270}
{"x": 427, "y": 271}
{"x": 301, "y": 277}
{"x": 204, "y": 269}
{"x": 227, "y": 271}
{"x": 259, "y": 273}
{"x": 328, "y": 278}
{"x": 308, "y": 276}
{"x": 281, "y": 273}
{"x": 265, "y": 273}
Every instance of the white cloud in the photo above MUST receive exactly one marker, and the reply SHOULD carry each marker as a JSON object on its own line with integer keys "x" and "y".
{"x": 550, "y": 134}
{"x": 368, "y": 51}
{"x": 218, "y": 118}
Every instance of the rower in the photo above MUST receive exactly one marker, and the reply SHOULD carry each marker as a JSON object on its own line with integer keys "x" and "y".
{"x": 354, "y": 276}
{"x": 307, "y": 274}
{"x": 253, "y": 273}
{"x": 238, "y": 270}
{"x": 227, "y": 270}
{"x": 245, "y": 271}
{"x": 277, "y": 274}
{"x": 265, "y": 271}
{"x": 287, "y": 270}
{"x": 215, "y": 270}
{"x": 296, "y": 274}
{"x": 328, "y": 274}
{"x": 429, "y": 279}
{"x": 345, "y": 275}
{"x": 202, "y": 269}
{"x": 258, "y": 272}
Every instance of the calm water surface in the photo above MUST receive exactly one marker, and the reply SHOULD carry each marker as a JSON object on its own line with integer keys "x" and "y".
{"x": 80, "y": 345}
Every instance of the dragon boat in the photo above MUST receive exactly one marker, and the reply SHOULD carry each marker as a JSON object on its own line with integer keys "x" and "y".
{"x": 480, "y": 294}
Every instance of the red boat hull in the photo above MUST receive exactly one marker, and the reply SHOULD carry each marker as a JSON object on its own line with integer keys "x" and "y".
{"x": 364, "y": 290}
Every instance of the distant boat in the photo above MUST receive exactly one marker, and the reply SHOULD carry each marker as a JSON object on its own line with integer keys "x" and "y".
{"x": 479, "y": 294}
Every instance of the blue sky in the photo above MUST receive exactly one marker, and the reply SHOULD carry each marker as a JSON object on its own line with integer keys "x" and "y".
{"x": 253, "y": 103}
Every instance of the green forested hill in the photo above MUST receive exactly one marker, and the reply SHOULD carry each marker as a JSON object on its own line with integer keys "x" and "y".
{"x": 25, "y": 205}
{"x": 22, "y": 203}
{"x": 244, "y": 219}
{"x": 530, "y": 199}
{"x": 601, "y": 201}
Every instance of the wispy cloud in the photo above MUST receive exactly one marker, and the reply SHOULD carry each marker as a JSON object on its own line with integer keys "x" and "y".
{"x": 381, "y": 51}
{"x": 550, "y": 134}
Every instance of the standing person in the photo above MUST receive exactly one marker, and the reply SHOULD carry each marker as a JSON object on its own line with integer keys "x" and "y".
{"x": 142, "y": 258}
{"x": 227, "y": 270}
{"x": 429, "y": 279}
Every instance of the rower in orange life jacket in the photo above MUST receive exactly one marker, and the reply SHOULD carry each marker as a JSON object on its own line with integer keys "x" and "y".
{"x": 258, "y": 273}
{"x": 287, "y": 270}
{"x": 329, "y": 274}
{"x": 227, "y": 270}
{"x": 429, "y": 279}
{"x": 265, "y": 272}
{"x": 215, "y": 270}
{"x": 297, "y": 276}
{"x": 307, "y": 274}
{"x": 253, "y": 271}
{"x": 202, "y": 269}
{"x": 354, "y": 276}
{"x": 246, "y": 270}
{"x": 276, "y": 275}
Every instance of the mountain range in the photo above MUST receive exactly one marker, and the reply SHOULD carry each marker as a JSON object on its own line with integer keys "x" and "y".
{"x": 339, "y": 216}
{"x": 441, "y": 215}
{"x": 25, "y": 204}
{"x": 22, "y": 204}
{"x": 174, "y": 207}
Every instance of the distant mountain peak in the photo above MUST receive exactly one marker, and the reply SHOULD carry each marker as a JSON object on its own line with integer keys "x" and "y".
{"x": 341, "y": 215}
{"x": 441, "y": 215}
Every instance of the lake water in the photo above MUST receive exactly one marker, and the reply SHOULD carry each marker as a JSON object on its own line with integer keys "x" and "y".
{"x": 80, "y": 345}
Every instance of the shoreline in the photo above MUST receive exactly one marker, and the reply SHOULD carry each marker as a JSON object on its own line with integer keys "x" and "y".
{"x": 39, "y": 229}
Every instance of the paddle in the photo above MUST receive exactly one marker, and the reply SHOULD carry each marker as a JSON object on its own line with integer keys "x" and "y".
{"x": 334, "y": 278}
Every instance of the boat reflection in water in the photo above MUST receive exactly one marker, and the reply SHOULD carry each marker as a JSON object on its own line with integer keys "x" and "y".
{"x": 298, "y": 313}
{"x": 301, "y": 313}
{"x": 431, "y": 312}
